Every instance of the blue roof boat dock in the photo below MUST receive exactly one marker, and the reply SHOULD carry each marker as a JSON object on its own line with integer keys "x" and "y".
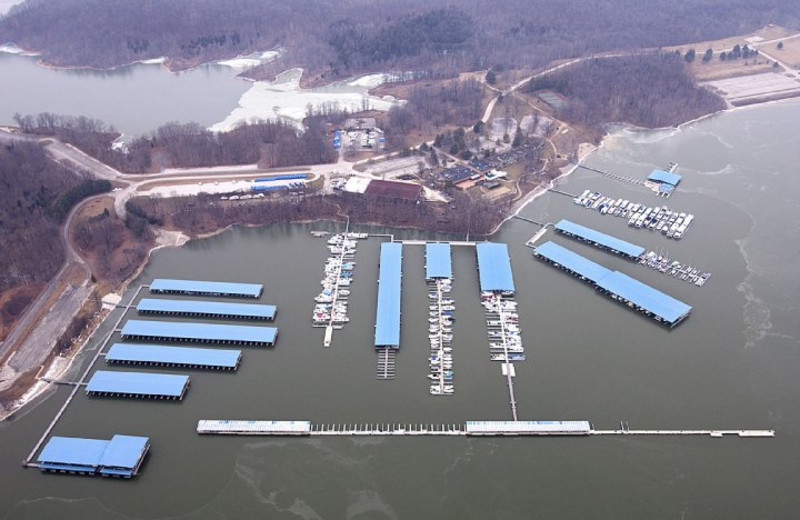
{"x": 494, "y": 265}
{"x": 199, "y": 332}
{"x": 160, "y": 356}
{"x": 601, "y": 240}
{"x": 438, "y": 263}
{"x": 122, "y": 456}
{"x": 138, "y": 385}
{"x": 206, "y": 309}
{"x": 664, "y": 177}
{"x": 635, "y": 294}
{"x": 206, "y": 288}
{"x": 387, "y": 318}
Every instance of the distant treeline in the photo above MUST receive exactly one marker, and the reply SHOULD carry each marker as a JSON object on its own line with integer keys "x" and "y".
{"x": 31, "y": 185}
{"x": 340, "y": 37}
{"x": 272, "y": 143}
{"x": 653, "y": 90}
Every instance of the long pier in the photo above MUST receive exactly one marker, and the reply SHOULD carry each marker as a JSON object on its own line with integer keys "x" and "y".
{"x": 526, "y": 219}
{"x": 328, "y": 338}
{"x": 80, "y": 383}
{"x": 570, "y": 195}
{"x": 507, "y": 364}
{"x": 460, "y": 430}
{"x": 615, "y": 176}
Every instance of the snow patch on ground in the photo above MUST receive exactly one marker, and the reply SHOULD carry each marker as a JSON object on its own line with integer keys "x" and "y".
{"x": 242, "y": 63}
{"x": 284, "y": 99}
{"x": 10, "y": 48}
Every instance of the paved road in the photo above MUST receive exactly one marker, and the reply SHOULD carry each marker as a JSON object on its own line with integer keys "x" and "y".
{"x": 47, "y": 322}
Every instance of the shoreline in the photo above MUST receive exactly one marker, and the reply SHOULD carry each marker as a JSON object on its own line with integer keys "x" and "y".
{"x": 178, "y": 238}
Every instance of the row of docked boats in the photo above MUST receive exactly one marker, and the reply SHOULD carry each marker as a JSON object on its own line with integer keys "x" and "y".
{"x": 441, "y": 312}
{"x": 502, "y": 326}
{"x": 331, "y": 302}
{"x": 672, "y": 224}
{"x": 664, "y": 264}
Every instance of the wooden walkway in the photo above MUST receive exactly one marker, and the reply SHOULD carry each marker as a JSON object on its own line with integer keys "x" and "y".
{"x": 386, "y": 360}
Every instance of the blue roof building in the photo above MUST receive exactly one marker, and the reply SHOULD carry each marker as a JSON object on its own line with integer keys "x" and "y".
{"x": 637, "y": 295}
{"x": 571, "y": 262}
{"x": 205, "y": 288}
{"x": 199, "y": 332}
{"x": 438, "y": 263}
{"x": 494, "y": 267}
{"x": 664, "y": 177}
{"x": 138, "y": 384}
{"x": 387, "y": 319}
{"x": 122, "y": 456}
{"x": 645, "y": 297}
{"x": 601, "y": 240}
{"x": 157, "y": 355}
{"x": 206, "y": 309}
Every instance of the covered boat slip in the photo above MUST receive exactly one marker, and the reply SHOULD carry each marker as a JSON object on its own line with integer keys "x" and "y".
{"x": 619, "y": 286}
{"x": 206, "y": 288}
{"x": 122, "y": 456}
{"x": 199, "y": 332}
{"x": 206, "y": 309}
{"x": 138, "y": 385}
{"x": 387, "y": 319}
{"x": 601, "y": 240}
{"x": 438, "y": 263}
{"x": 186, "y": 357}
{"x": 494, "y": 266}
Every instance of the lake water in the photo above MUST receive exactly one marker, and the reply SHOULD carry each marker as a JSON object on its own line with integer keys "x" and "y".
{"x": 733, "y": 364}
{"x": 139, "y": 98}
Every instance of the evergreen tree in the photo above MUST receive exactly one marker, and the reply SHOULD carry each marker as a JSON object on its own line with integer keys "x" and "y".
{"x": 491, "y": 78}
{"x": 708, "y": 55}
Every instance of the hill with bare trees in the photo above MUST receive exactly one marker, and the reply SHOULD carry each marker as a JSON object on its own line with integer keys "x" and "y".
{"x": 341, "y": 37}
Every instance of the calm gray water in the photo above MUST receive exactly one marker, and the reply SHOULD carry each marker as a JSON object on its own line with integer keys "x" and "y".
{"x": 135, "y": 99}
{"x": 733, "y": 364}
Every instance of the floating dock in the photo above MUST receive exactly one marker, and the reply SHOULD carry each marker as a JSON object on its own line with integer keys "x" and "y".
{"x": 122, "y": 456}
{"x": 438, "y": 262}
{"x": 494, "y": 265}
{"x": 633, "y": 293}
{"x": 600, "y": 240}
{"x": 184, "y": 357}
{"x": 206, "y": 309}
{"x": 233, "y": 427}
{"x": 206, "y": 288}
{"x": 387, "y": 319}
{"x": 199, "y": 332}
{"x": 138, "y": 385}
{"x": 468, "y": 429}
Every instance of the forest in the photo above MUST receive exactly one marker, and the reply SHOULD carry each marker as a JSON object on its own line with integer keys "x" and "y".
{"x": 30, "y": 186}
{"x": 649, "y": 90}
{"x": 273, "y": 144}
{"x": 342, "y": 37}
